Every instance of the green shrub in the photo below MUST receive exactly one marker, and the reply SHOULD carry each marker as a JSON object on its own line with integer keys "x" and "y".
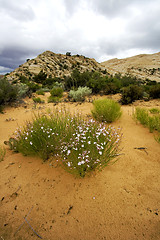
{"x": 154, "y": 110}
{"x": 106, "y": 110}
{"x": 131, "y": 93}
{"x": 150, "y": 121}
{"x": 33, "y": 87}
{"x": 23, "y": 90}
{"x": 80, "y": 146}
{"x": 52, "y": 99}
{"x": 154, "y": 91}
{"x": 56, "y": 92}
{"x": 38, "y": 100}
{"x": 80, "y": 94}
{"x": 8, "y": 92}
{"x": 40, "y": 92}
{"x": 40, "y": 77}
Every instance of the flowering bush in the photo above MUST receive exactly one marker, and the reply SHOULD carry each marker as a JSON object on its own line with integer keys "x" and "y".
{"x": 90, "y": 146}
{"x": 81, "y": 145}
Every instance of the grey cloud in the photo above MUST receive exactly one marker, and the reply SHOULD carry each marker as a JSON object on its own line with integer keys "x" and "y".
{"x": 11, "y": 58}
{"x": 18, "y": 11}
{"x": 71, "y": 5}
{"x": 115, "y": 8}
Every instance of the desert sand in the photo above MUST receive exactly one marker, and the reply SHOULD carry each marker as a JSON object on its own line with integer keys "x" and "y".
{"x": 122, "y": 202}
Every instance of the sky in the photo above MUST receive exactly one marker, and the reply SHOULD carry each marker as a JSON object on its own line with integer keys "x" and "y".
{"x": 100, "y": 29}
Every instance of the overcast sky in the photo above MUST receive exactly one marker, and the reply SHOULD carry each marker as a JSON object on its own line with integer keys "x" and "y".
{"x": 100, "y": 29}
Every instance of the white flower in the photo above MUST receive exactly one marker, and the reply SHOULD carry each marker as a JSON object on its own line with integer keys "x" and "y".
{"x": 25, "y": 137}
{"x": 82, "y": 162}
{"x": 79, "y": 163}
{"x": 41, "y": 127}
{"x": 82, "y": 145}
{"x": 31, "y": 143}
{"x": 68, "y": 152}
{"x": 100, "y": 153}
{"x": 69, "y": 164}
{"x": 89, "y": 142}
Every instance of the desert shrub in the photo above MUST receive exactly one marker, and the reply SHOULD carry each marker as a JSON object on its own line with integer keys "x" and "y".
{"x": 58, "y": 85}
{"x": 2, "y": 153}
{"x": 38, "y": 100}
{"x": 80, "y": 94}
{"x": 154, "y": 110}
{"x": 40, "y": 92}
{"x": 154, "y": 91}
{"x": 23, "y": 79}
{"x": 52, "y": 99}
{"x": 131, "y": 93}
{"x": 22, "y": 90}
{"x": 33, "y": 87}
{"x": 106, "y": 110}
{"x": 80, "y": 146}
{"x": 8, "y": 92}
{"x": 148, "y": 120}
{"x": 40, "y": 77}
{"x": 56, "y": 92}
{"x": 45, "y": 89}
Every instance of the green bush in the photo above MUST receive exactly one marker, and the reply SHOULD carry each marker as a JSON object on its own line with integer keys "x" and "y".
{"x": 131, "y": 93}
{"x": 148, "y": 120}
{"x": 80, "y": 94}
{"x": 154, "y": 91}
{"x": 106, "y": 110}
{"x": 56, "y": 92}
{"x": 154, "y": 110}
{"x": 23, "y": 90}
{"x": 40, "y": 92}
{"x": 38, "y": 100}
{"x": 40, "y": 77}
{"x": 33, "y": 87}
{"x": 52, "y": 99}
{"x": 80, "y": 146}
{"x": 8, "y": 92}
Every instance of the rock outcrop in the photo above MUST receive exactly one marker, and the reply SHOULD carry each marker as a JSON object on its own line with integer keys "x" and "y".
{"x": 143, "y": 66}
{"x": 54, "y": 65}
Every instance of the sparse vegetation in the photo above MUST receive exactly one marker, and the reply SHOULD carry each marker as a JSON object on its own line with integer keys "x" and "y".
{"x": 2, "y": 153}
{"x": 40, "y": 92}
{"x": 151, "y": 121}
{"x": 38, "y": 100}
{"x": 106, "y": 110}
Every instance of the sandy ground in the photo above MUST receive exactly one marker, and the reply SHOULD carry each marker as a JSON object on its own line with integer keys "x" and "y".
{"x": 120, "y": 203}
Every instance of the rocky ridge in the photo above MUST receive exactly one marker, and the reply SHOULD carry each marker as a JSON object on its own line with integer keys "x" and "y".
{"x": 54, "y": 65}
{"x": 143, "y": 66}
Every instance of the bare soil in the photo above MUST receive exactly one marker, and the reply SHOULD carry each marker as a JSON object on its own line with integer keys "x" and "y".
{"x": 122, "y": 202}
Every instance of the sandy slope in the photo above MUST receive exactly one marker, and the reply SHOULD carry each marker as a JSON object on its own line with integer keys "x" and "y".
{"x": 121, "y": 202}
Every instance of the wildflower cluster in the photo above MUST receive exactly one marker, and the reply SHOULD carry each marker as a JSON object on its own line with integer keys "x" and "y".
{"x": 82, "y": 145}
{"x": 91, "y": 146}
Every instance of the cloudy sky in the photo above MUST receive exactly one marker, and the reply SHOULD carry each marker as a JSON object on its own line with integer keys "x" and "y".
{"x": 100, "y": 29}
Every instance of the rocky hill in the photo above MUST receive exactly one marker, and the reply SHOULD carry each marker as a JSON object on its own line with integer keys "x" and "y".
{"x": 142, "y": 66}
{"x": 54, "y": 65}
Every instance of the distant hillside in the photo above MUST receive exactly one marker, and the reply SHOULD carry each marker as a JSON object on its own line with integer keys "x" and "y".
{"x": 142, "y": 66}
{"x": 54, "y": 65}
